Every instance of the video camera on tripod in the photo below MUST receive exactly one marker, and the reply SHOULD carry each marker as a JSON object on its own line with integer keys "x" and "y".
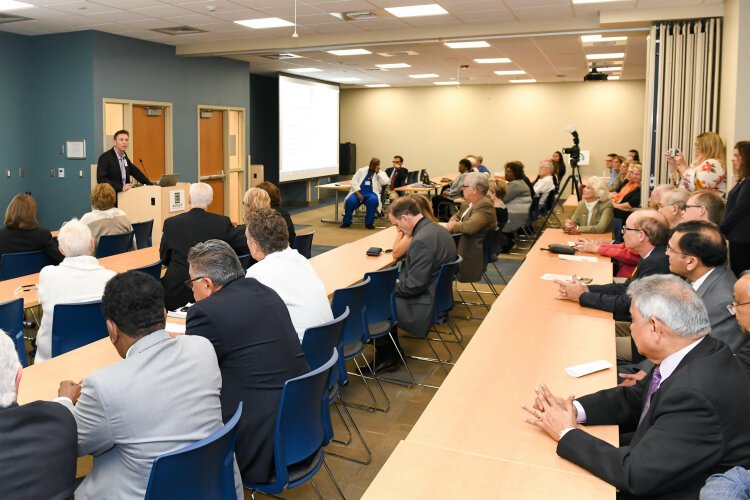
{"x": 575, "y": 157}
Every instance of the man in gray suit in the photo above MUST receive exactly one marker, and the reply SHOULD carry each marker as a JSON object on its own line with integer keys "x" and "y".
{"x": 431, "y": 247}
{"x": 163, "y": 396}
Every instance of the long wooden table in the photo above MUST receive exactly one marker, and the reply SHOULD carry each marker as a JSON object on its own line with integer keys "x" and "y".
{"x": 336, "y": 187}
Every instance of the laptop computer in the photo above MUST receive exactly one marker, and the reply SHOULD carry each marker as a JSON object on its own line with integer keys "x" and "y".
{"x": 167, "y": 180}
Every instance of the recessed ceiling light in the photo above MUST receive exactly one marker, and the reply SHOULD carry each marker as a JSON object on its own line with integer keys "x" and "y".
{"x": 337, "y": 14}
{"x": 612, "y": 55}
{"x": 425, "y": 75}
{"x": 349, "y": 52}
{"x": 430, "y": 9}
{"x": 13, "y": 5}
{"x": 527, "y": 80}
{"x": 447, "y": 83}
{"x": 611, "y": 77}
{"x": 377, "y": 85}
{"x": 393, "y": 66}
{"x": 600, "y": 38}
{"x": 595, "y": 1}
{"x": 266, "y": 22}
{"x": 510, "y": 72}
{"x": 610, "y": 68}
{"x": 348, "y": 80}
{"x": 289, "y": 55}
{"x": 493, "y": 60}
{"x": 304, "y": 70}
{"x": 467, "y": 45}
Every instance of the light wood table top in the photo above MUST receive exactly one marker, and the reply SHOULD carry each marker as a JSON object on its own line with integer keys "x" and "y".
{"x": 336, "y": 186}
{"x": 417, "y": 471}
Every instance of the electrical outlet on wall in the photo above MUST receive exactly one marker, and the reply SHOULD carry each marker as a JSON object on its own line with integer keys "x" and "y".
{"x": 52, "y": 172}
{"x": 7, "y": 172}
{"x": 80, "y": 173}
{"x": 20, "y": 172}
{"x": 61, "y": 172}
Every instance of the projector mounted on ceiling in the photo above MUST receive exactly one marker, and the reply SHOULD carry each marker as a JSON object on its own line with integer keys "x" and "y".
{"x": 594, "y": 76}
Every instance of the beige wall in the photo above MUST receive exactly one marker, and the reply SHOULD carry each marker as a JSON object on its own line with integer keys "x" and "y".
{"x": 434, "y": 127}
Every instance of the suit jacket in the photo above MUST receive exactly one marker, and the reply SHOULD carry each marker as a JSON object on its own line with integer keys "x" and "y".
{"x": 601, "y": 217}
{"x": 431, "y": 247}
{"x": 401, "y": 174}
{"x": 736, "y": 222}
{"x": 716, "y": 292}
{"x": 108, "y": 170}
{"x": 694, "y": 427}
{"x": 162, "y": 397}
{"x": 478, "y": 220}
{"x": 37, "y": 451}
{"x": 29, "y": 240}
{"x": 258, "y": 350}
{"x": 182, "y": 232}
{"x": 613, "y": 297}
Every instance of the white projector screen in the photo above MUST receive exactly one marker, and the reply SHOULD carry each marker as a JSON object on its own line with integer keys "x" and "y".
{"x": 308, "y": 129}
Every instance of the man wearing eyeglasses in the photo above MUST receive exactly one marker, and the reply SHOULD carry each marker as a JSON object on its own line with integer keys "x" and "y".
{"x": 671, "y": 204}
{"x": 704, "y": 205}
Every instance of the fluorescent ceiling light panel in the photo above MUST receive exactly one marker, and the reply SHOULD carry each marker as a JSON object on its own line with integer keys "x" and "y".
{"x": 377, "y": 85}
{"x": 600, "y": 38}
{"x": 610, "y": 68}
{"x": 510, "y": 72}
{"x": 447, "y": 83}
{"x": 289, "y": 55}
{"x": 266, "y": 22}
{"x": 430, "y": 9}
{"x": 493, "y": 60}
{"x": 611, "y": 55}
{"x": 348, "y": 80}
{"x": 13, "y": 5}
{"x": 393, "y": 66}
{"x": 304, "y": 70}
{"x": 527, "y": 80}
{"x": 425, "y": 75}
{"x": 467, "y": 45}
{"x": 349, "y": 52}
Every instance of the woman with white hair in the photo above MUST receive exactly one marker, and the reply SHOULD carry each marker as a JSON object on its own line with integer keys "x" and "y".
{"x": 594, "y": 213}
{"x": 78, "y": 278}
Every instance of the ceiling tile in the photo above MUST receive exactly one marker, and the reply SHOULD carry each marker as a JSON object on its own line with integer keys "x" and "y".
{"x": 163, "y": 11}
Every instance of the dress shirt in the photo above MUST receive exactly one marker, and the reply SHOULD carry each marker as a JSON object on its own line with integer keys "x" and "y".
{"x": 468, "y": 209}
{"x": 590, "y": 209}
{"x": 123, "y": 165}
{"x": 543, "y": 187}
{"x": 697, "y": 283}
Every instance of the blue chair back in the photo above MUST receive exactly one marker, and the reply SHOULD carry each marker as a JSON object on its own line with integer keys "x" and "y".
{"x": 11, "y": 322}
{"x": 244, "y": 260}
{"x": 444, "y": 289}
{"x": 204, "y": 469}
{"x": 303, "y": 244}
{"x": 113, "y": 244}
{"x": 380, "y": 301}
{"x": 549, "y": 203}
{"x": 617, "y": 230}
{"x": 319, "y": 340}
{"x": 13, "y": 265}
{"x": 353, "y": 297}
{"x": 300, "y": 431}
{"x": 491, "y": 245}
{"x": 153, "y": 270}
{"x": 533, "y": 209}
{"x": 142, "y": 232}
{"x": 77, "y": 325}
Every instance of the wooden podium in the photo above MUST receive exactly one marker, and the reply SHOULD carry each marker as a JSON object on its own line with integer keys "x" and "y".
{"x": 154, "y": 202}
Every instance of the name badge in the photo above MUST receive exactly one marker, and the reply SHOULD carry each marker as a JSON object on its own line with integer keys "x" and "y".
{"x": 367, "y": 183}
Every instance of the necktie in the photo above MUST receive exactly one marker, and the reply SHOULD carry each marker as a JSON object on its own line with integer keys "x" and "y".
{"x": 652, "y": 387}
{"x": 393, "y": 179}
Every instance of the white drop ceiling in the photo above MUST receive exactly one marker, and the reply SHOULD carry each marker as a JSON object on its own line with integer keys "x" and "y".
{"x": 541, "y": 37}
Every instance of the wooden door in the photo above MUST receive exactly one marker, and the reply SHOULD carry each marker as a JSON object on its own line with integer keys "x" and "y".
{"x": 211, "y": 165}
{"x": 149, "y": 141}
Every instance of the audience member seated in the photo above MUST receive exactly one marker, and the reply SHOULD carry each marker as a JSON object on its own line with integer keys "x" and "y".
{"x": 657, "y": 193}
{"x": 704, "y": 205}
{"x": 477, "y": 164}
{"x": 497, "y": 190}
{"x": 450, "y": 193}
{"x": 736, "y": 222}
{"x": 21, "y": 231}
{"x": 594, "y": 212}
{"x": 37, "y": 440}
{"x": 402, "y": 241}
{"x": 255, "y": 198}
{"x": 545, "y": 182}
{"x": 105, "y": 218}
{"x": 732, "y": 485}
{"x": 255, "y": 342}
{"x": 620, "y": 168}
{"x": 78, "y": 278}
{"x": 558, "y": 162}
{"x": 182, "y": 232}
{"x": 517, "y": 199}
{"x": 625, "y": 259}
{"x": 672, "y": 204}
{"x": 474, "y": 220}
{"x": 397, "y": 176}
{"x": 285, "y": 271}
{"x": 611, "y": 172}
{"x": 633, "y": 155}
{"x": 741, "y": 312}
{"x": 163, "y": 395}
{"x": 275, "y": 198}
{"x": 367, "y": 184}
{"x": 707, "y": 170}
{"x": 689, "y": 416}
{"x": 629, "y": 196}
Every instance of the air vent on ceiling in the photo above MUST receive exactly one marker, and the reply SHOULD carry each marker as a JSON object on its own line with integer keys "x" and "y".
{"x": 400, "y": 53}
{"x": 179, "y": 30}
{"x": 360, "y": 15}
{"x": 278, "y": 57}
{"x": 8, "y": 18}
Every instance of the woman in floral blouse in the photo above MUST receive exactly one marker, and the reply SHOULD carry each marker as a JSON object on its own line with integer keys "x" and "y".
{"x": 707, "y": 170}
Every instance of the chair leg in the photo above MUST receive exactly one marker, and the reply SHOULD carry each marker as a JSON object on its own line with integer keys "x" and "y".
{"x": 437, "y": 358}
{"x": 491, "y": 285}
{"x": 348, "y": 440}
{"x": 359, "y": 435}
{"x": 498, "y": 272}
{"x": 374, "y": 406}
{"x": 333, "y": 480}
{"x": 411, "y": 375}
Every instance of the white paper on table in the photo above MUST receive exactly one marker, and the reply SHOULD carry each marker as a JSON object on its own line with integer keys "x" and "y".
{"x": 175, "y": 327}
{"x": 587, "y": 368}
{"x": 578, "y": 258}
{"x": 556, "y": 277}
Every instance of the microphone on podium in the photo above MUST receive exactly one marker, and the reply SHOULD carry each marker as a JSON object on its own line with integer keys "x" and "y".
{"x": 140, "y": 160}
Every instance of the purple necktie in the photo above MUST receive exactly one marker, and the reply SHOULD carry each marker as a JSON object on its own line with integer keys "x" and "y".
{"x": 655, "y": 381}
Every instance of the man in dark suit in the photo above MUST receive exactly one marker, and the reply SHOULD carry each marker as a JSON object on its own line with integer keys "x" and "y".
{"x": 431, "y": 247}
{"x": 397, "y": 174}
{"x": 115, "y": 168}
{"x": 256, "y": 344}
{"x": 182, "y": 232}
{"x": 741, "y": 310}
{"x": 687, "y": 424}
{"x": 38, "y": 441}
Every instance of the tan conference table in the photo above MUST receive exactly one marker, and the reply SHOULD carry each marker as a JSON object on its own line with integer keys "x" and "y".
{"x": 527, "y": 338}
{"x": 336, "y": 187}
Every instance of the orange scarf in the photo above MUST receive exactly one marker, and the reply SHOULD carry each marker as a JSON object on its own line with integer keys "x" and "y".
{"x": 626, "y": 189}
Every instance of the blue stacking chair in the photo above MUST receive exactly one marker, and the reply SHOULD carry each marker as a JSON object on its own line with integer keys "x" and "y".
{"x": 204, "y": 469}
{"x": 142, "y": 232}
{"x": 77, "y": 325}
{"x": 113, "y": 244}
{"x": 151, "y": 269}
{"x": 303, "y": 244}
{"x": 11, "y": 322}
{"x": 317, "y": 344}
{"x": 617, "y": 230}
{"x": 301, "y": 431}
{"x": 13, "y": 265}
{"x": 244, "y": 260}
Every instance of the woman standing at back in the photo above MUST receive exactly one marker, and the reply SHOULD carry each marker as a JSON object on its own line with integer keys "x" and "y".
{"x": 21, "y": 231}
{"x": 736, "y": 223}
{"x": 707, "y": 170}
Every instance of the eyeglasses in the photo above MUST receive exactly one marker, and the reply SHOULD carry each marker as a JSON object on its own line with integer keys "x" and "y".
{"x": 626, "y": 228}
{"x": 732, "y": 308}
{"x": 189, "y": 283}
{"x": 692, "y": 206}
{"x": 672, "y": 250}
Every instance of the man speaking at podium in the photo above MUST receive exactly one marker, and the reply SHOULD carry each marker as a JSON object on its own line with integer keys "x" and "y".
{"x": 115, "y": 168}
